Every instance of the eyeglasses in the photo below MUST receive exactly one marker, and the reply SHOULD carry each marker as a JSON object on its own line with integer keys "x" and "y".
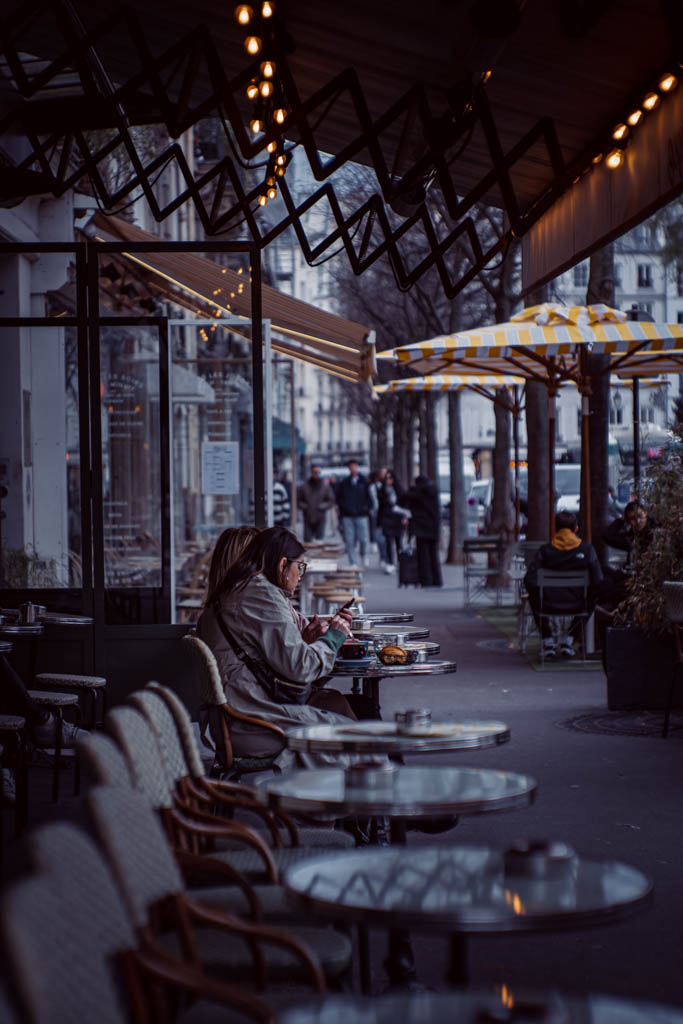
{"x": 302, "y": 566}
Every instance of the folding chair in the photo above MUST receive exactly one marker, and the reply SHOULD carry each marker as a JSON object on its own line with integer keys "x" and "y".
{"x": 577, "y": 580}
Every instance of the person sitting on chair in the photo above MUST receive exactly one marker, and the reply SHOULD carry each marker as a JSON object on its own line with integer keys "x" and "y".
{"x": 566, "y": 553}
{"x": 273, "y": 662}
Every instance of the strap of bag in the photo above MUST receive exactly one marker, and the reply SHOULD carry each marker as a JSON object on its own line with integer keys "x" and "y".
{"x": 263, "y": 673}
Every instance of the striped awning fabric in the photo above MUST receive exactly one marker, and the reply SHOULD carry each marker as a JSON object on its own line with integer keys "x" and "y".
{"x": 550, "y": 335}
{"x": 448, "y": 382}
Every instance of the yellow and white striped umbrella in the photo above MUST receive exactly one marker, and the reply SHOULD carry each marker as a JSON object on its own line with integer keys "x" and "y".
{"x": 550, "y": 339}
{"x": 448, "y": 382}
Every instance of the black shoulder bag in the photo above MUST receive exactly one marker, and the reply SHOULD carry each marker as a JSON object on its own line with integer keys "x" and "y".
{"x": 281, "y": 691}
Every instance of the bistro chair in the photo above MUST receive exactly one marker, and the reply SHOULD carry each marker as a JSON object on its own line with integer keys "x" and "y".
{"x": 165, "y": 915}
{"x": 525, "y": 622}
{"x": 72, "y": 954}
{"x": 578, "y": 581}
{"x": 673, "y": 597}
{"x": 214, "y": 707}
{"x": 171, "y": 722}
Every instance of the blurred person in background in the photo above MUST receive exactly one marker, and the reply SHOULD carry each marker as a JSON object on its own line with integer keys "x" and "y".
{"x": 423, "y": 501}
{"x": 315, "y": 498}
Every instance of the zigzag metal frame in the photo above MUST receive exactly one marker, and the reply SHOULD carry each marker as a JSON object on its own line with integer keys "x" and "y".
{"x": 185, "y": 58}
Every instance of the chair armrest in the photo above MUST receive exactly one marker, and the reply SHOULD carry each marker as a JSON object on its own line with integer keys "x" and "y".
{"x": 204, "y": 863}
{"x": 217, "y": 828}
{"x": 178, "y": 974}
{"x": 259, "y": 932}
{"x": 195, "y": 791}
{"x": 252, "y": 719}
{"x": 217, "y": 789}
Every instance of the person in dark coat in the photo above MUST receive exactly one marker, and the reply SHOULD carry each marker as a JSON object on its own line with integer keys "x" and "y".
{"x": 423, "y": 501}
{"x": 315, "y": 497}
{"x": 353, "y": 501}
{"x": 566, "y": 553}
{"x": 391, "y": 518}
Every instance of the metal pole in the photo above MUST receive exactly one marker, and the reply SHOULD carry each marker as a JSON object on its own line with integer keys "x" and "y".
{"x": 268, "y": 420}
{"x": 292, "y": 444}
{"x": 551, "y": 463}
{"x": 636, "y": 436}
{"x": 587, "y": 533}
{"x": 515, "y": 435}
{"x": 257, "y": 389}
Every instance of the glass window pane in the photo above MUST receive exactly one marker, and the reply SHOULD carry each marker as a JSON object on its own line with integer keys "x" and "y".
{"x": 131, "y": 480}
{"x": 40, "y": 542}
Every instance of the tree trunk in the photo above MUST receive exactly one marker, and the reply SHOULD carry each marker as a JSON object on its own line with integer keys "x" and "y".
{"x": 423, "y": 413}
{"x": 538, "y": 483}
{"x": 432, "y": 467}
{"x": 458, "y": 511}
{"x": 502, "y": 512}
{"x": 600, "y": 289}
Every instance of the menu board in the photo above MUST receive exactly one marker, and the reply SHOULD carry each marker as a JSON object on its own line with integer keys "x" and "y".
{"x": 220, "y": 467}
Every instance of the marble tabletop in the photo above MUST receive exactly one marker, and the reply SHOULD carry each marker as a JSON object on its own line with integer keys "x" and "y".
{"x": 377, "y": 737}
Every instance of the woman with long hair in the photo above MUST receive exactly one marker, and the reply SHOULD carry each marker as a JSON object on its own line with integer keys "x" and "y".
{"x": 273, "y": 663}
{"x": 229, "y": 547}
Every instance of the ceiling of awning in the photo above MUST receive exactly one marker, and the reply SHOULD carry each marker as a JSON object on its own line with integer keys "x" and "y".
{"x": 578, "y": 63}
{"x": 300, "y": 330}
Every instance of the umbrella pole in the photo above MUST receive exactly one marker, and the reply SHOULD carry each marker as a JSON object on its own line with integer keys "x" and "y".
{"x": 636, "y": 437}
{"x": 515, "y": 434}
{"x": 587, "y": 532}
{"x": 551, "y": 462}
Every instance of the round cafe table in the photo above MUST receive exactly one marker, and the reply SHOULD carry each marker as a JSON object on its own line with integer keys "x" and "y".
{"x": 31, "y": 632}
{"x": 376, "y": 737}
{"x": 478, "y": 1007}
{"x": 380, "y": 619}
{"x": 372, "y": 674}
{"x": 466, "y": 889}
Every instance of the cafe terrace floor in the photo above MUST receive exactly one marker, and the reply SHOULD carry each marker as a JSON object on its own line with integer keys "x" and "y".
{"x": 609, "y": 794}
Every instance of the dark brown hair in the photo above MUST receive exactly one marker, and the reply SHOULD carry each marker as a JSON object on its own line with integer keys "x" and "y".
{"x": 262, "y": 555}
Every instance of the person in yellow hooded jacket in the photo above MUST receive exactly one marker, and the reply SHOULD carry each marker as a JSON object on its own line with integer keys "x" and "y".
{"x": 566, "y": 553}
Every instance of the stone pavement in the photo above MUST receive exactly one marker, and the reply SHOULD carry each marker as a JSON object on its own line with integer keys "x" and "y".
{"x": 609, "y": 796}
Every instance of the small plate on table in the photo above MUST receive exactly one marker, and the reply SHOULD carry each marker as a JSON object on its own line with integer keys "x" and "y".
{"x": 355, "y": 664}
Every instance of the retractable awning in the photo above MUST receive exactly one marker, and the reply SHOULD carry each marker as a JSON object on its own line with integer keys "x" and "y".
{"x": 300, "y": 330}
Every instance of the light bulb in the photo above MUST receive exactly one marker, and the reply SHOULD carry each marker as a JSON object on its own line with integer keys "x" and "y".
{"x": 256, "y": 125}
{"x": 620, "y": 132}
{"x": 485, "y": 76}
{"x": 271, "y": 147}
{"x": 650, "y": 101}
{"x": 634, "y": 118}
{"x": 267, "y": 9}
{"x": 268, "y": 68}
{"x": 280, "y": 171}
{"x": 279, "y": 115}
{"x": 252, "y": 44}
{"x": 614, "y": 159}
{"x": 597, "y": 158}
{"x": 667, "y": 83}
{"x": 252, "y": 90}
{"x": 270, "y": 181}
{"x": 243, "y": 14}
{"x": 266, "y": 89}
{"x": 272, "y": 193}
{"x": 262, "y": 200}
{"x": 280, "y": 160}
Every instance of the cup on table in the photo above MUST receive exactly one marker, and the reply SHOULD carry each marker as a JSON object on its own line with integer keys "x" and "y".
{"x": 413, "y": 722}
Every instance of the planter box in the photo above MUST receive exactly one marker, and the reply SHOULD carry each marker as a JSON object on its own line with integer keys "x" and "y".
{"x": 639, "y": 669}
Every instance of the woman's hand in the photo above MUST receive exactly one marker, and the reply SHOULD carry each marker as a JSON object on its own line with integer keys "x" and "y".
{"x": 314, "y": 629}
{"x": 342, "y": 621}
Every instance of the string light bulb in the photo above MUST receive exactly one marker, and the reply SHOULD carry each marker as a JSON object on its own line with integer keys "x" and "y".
{"x": 614, "y": 159}
{"x": 272, "y": 193}
{"x": 252, "y": 90}
{"x": 256, "y": 125}
{"x": 280, "y": 171}
{"x": 667, "y": 83}
{"x": 279, "y": 115}
{"x": 486, "y": 76}
{"x": 262, "y": 200}
{"x": 620, "y": 132}
{"x": 634, "y": 117}
{"x": 267, "y": 9}
{"x": 281, "y": 160}
{"x": 271, "y": 147}
{"x": 597, "y": 158}
{"x": 244, "y": 14}
{"x": 650, "y": 101}
{"x": 252, "y": 44}
{"x": 266, "y": 89}
{"x": 268, "y": 68}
